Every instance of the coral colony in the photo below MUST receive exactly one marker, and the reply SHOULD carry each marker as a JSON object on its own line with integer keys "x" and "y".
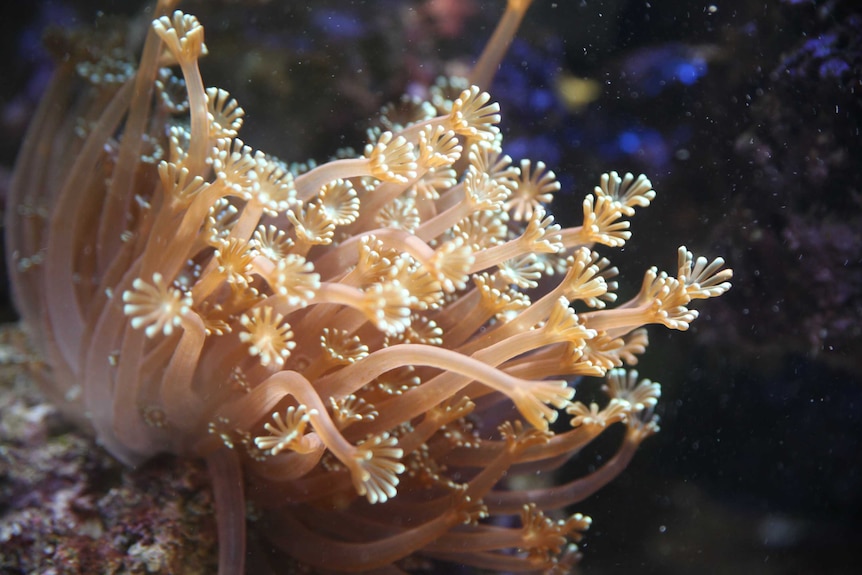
{"x": 366, "y": 348}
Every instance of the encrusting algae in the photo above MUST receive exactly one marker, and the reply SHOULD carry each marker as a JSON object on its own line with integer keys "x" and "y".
{"x": 366, "y": 347}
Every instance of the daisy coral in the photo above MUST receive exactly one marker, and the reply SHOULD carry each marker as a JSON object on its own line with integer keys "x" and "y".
{"x": 369, "y": 349}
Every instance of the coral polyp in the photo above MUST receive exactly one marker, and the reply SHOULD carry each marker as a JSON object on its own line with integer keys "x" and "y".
{"x": 373, "y": 347}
